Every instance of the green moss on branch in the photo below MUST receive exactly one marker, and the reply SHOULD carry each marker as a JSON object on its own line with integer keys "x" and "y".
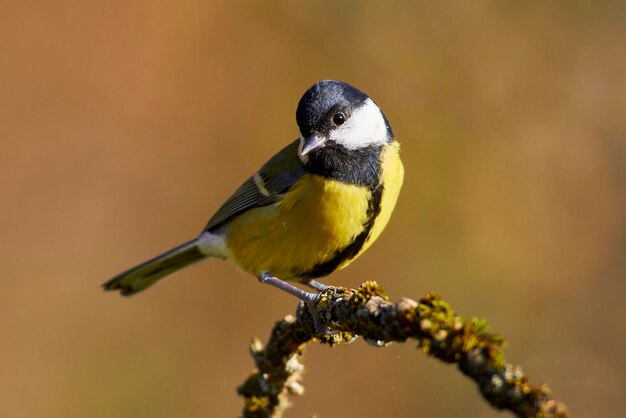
{"x": 366, "y": 312}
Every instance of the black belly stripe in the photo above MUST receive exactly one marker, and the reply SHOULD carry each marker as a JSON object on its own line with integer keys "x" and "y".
{"x": 351, "y": 250}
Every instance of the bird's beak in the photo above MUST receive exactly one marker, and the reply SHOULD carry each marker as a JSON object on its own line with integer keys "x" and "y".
{"x": 310, "y": 143}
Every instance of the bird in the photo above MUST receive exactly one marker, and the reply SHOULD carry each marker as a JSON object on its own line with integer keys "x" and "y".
{"x": 311, "y": 209}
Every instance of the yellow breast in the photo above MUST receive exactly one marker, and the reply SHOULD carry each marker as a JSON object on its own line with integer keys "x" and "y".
{"x": 392, "y": 178}
{"x": 315, "y": 220}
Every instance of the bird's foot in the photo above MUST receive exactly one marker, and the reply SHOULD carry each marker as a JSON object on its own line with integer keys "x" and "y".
{"x": 318, "y": 325}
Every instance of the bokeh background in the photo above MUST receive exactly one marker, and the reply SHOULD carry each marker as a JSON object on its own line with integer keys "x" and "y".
{"x": 124, "y": 125}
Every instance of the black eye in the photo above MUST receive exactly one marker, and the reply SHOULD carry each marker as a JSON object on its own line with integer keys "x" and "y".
{"x": 339, "y": 118}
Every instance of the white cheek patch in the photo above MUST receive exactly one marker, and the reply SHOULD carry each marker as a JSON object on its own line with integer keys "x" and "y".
{"x": 365, "y": 126}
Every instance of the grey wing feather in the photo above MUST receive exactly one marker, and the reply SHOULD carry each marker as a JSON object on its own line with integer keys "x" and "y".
{"x": 278, "y": 175}
{"x": 246, "y": 196}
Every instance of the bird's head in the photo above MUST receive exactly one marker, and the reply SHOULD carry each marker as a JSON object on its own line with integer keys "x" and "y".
{"x": 335, "y": 114}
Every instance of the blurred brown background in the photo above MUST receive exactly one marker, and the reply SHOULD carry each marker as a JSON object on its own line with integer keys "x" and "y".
{"x": 123, "y": 126}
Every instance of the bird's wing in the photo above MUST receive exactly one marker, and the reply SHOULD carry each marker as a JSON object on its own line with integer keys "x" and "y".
{"x": 264, "y": 188}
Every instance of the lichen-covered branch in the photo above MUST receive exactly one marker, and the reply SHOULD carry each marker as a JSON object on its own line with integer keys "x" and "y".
{"x": 366, "y": 312}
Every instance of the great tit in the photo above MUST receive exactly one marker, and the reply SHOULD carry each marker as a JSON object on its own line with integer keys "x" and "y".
{"x": 311, "y": 209}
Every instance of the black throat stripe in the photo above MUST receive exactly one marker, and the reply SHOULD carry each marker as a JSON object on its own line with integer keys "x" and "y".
{"x": 359, "y": 166}
{"x": 350, "y": 251}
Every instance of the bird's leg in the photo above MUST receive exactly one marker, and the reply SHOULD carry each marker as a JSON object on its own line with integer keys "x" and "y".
{"x": 315, "y": 285}
{"x": 305, "y": 297}
{"x": 310, "y": 297}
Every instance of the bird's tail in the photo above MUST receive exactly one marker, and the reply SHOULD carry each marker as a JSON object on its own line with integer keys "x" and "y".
{"x": 146, "y": 274}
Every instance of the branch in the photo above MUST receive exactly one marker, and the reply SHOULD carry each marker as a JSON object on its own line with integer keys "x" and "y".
{"x": 366, "y": 312}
